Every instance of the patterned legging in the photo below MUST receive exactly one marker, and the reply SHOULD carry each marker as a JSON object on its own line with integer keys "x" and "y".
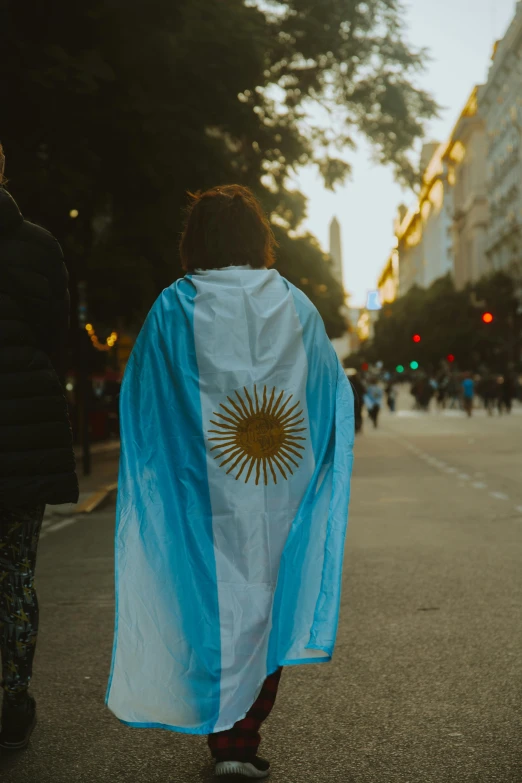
{"x": 19, "y": 533}
{"x": 241, "y": 742}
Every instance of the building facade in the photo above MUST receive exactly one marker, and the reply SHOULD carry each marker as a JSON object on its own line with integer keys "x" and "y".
{"x": 445, "y": 231}
{"x": 436, "y": 210}
{"x": 388, "y": 283}
{"x": 366, "y": 325}
{"x": 465, "y": 161}
{"x": 500, "y": 104}
{"x": 408, "y": 232}
{"x": 424, "y": 233}
{"x": 467, "y": 219}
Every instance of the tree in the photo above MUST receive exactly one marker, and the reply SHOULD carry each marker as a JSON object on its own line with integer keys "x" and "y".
{"x": 118, "y": 109}
{"x": 306, "y": 266}
{"x": 448, "y": 322}
{"x": 351, "y": 58}
{"x": 499, "y": 342}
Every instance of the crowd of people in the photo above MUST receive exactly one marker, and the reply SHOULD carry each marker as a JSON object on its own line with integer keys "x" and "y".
{"x": 452, "y": 391}
{"x": 459, "y": 391}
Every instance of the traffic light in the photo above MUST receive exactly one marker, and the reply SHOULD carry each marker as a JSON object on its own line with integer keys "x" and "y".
{"x": 487, "y": 318}
{"x": 365, "y": 366}
{"x": 414, "y": 365}
{"x": 399, "y": 368}
{"x": 450, "y": 358}
{"x": 416, "y": 338}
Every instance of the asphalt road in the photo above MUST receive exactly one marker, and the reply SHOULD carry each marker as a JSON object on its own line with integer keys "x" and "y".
{"x": 425, "y": 686}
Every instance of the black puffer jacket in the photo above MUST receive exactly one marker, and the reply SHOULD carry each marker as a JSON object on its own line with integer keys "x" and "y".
{"x": 36, "y": 454}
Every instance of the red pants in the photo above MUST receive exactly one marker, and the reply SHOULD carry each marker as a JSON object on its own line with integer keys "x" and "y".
{"x": 241, "y": 742}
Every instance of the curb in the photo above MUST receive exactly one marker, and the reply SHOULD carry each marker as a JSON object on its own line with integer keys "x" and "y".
{"x": 95, "y": 500}
{"x": 98, "y": 449}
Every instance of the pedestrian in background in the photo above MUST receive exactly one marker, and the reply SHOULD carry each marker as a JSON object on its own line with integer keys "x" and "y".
{"x": 506, "y": 393}
{"x": 468, "y": 393}
{"x": 488, "y": 390}
{"x": 237, "y": 431}
{"x": 424, "y": 392}
{"x": 391, "y": 396}
{"x": 373, "y": 401}
{"x": 414, "y": 391}
{"x": 359, "y": 391}
{"x": 454, "y": 393}
{"x": 442, "y": 391}
{"x": 36, "y": 455}
{"x": 428, "y": 390}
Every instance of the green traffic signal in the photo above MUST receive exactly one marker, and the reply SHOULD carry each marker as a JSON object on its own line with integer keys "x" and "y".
{"x": 399, "y": 368}
{"x": 414, "y": 365}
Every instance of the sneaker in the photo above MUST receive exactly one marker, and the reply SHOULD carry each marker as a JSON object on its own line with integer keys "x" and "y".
{"x": 257, "y": 768}
{"x": 18, "y": 722}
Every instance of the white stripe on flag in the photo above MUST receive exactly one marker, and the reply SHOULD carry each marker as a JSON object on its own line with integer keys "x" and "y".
{"x": 244, "y": 340}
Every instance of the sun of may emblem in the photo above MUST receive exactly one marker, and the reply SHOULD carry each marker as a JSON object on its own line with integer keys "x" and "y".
{"x": 258, "y": 437}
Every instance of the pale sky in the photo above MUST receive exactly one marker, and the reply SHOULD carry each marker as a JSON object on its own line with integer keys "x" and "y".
{"x": 460, "y": 35}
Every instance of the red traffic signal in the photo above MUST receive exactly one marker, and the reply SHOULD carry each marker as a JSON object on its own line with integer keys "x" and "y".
{"x": 450, "y": 358}
{"x": 487, "y": 318}
{"x": 416, "y": 338}
{"x": 365, "y": 366}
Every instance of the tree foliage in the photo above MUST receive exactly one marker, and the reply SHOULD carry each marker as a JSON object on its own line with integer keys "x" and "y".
{"x": 449, "y": 322}
{"x": 117, "y": 109}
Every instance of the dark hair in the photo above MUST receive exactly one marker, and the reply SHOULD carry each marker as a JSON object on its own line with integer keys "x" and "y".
{"x": 226, "y": 226}
{"x": 2, "y": 165}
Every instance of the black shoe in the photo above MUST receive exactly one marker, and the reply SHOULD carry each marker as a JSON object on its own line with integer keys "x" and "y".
{"x": 255, "y": 768}
{"x": 18, "y": 722}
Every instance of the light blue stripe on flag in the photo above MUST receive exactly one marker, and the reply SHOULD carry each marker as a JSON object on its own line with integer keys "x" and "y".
{"x": 155, "y": 653}
{"x": 306, "y": 603}
{"x": 326, "y": 616}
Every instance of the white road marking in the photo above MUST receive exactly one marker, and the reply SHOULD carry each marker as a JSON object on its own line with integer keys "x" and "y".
{"x": 54, "y": 527}
{"x": 436, "y": 463}
{"x": 499, "y": 495}
{"x": 386, "y": 501}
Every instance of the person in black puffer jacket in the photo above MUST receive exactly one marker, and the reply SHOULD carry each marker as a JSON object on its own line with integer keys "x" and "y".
{"x": 36, "y": 455}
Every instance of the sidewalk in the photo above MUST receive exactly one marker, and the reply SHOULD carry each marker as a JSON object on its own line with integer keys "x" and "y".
{"x": 97, "y": 488}
{"x": 107, "y": 447}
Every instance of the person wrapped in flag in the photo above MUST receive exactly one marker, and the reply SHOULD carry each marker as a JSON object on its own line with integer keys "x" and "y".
{"x": 237, "y": 430}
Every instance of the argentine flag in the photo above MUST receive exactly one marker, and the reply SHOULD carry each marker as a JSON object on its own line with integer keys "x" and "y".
{"x": 237, "y": 432}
